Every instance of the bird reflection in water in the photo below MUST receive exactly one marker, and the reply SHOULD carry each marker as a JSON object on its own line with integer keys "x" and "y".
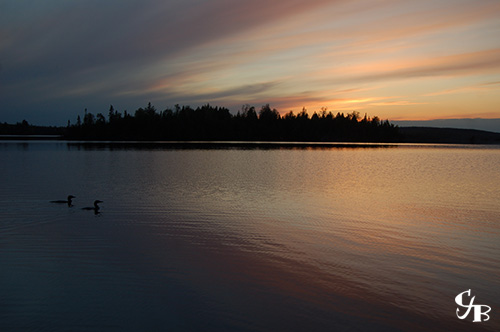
{"x": 94, "y": 208}
{"x": 68, "y": 201}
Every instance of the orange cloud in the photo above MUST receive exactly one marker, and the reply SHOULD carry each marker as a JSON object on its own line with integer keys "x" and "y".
{"x": 466, "y": 89}
{"x": 397, "y": 103}
{"x": 450, "y": 65}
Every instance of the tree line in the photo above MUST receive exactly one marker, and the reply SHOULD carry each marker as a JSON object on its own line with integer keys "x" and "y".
{"x": 25, "y": 128}
{"x": 213, "y": 123}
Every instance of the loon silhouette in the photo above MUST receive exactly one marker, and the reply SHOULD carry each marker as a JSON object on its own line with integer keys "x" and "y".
{"x": 95, "y": 208}
{"x": 68, "y": 201}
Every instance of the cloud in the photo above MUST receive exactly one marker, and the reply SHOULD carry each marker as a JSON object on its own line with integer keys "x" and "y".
{"x": 463, "y": 64}
{"x": 466, "y": 89}
{"x": 118, "y": 41}
{"x": 99, "y": 33}
{"x": 290, "y": 53}
{"x": 232, "y": 94}
{"x": 397, "y": 103}
{"x": 429, "y": 18}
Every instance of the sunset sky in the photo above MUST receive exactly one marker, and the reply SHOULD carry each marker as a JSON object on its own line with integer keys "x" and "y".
{"x": 399, "y": 60}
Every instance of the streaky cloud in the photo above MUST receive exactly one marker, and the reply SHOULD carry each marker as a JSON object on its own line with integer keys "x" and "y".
{"x": 467, "y": 89}
{"x": 63, "y": 56}
{"x": 450, "y": 65}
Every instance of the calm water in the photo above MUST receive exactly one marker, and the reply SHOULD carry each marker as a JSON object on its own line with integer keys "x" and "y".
{"x": 247, "y": 239}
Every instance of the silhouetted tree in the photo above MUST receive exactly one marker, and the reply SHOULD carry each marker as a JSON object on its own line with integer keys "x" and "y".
{"x": 266, "y": 114}
{"x": 101, "y": 120}
{"x": 217, "y": 123}
{"x": 88, "y": 119}
{"x": 111, "y": 113}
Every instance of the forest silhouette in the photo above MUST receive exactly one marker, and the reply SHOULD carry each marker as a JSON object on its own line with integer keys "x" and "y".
{"x": 213, "y": 123}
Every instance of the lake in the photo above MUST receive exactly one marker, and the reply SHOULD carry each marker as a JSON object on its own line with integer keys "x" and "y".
{"x": 248, "y": 237}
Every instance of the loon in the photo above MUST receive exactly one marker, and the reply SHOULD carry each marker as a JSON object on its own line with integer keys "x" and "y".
{"x": 68, "y": 201}
{"x": 95, "y": 208}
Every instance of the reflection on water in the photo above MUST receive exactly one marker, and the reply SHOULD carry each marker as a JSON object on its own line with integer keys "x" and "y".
{"x": 238, "y": 238}
{"x": 218, "y": 145}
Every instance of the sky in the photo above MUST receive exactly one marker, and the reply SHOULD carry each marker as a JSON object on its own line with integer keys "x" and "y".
{"x": 395, "y": 59}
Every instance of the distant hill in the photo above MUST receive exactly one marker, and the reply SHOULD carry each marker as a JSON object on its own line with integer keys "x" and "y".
{"x": 466, "y": 123}
{"x": 25, "y": 129}
{"x": 402, "y": 134}
{"x": 447, "y": 135}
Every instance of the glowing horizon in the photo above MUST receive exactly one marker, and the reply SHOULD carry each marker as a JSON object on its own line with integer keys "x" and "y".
{"x": 398, "y": 60}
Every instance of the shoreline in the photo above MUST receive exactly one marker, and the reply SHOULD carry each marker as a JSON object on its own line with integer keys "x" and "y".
{"x": 227, "y": 144}
{"x": 409, "y": 135}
